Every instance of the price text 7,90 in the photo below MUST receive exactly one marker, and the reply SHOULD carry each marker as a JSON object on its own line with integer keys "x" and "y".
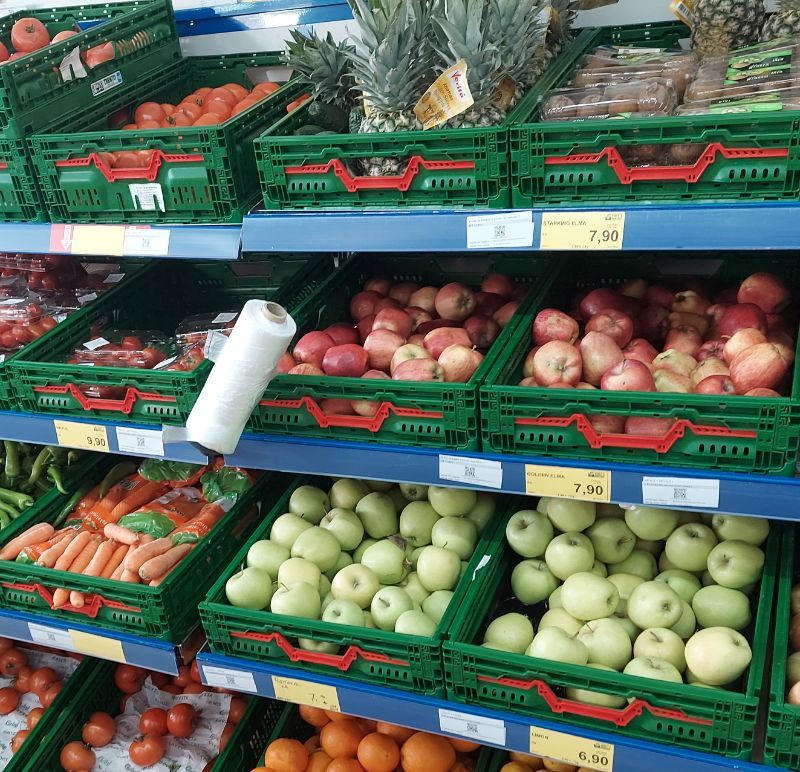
{"x": 605, "y": 236}
{"x": 590, "y": 489}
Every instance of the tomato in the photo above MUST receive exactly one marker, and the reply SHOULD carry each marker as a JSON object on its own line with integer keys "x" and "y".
{"x": 129, "y": 679}
{"x": 218, "y": 107}
{"x": 147, "y": 751}
{"x": 209, "y": 119}
{"x": 181, "y": 719}
{"x": 297, "y": 102}
{"x": 193, "y": 99}
{"x": 190, "y": 109}
{"x": 178, "y": 118}
{"x": 3, "y": 52}
{"x": 19, "y": 738}
{"x": 127, "y": 160}
{"x": 98, "y": 730}
{"x": 149, "y": 111}
{"x": 42, "y": 679}
{"x": 94, "y": 57}
{"x": 224, "y": 94}
{"x": 243, "y": 105}
{"x": 8, "y": 341}
{"x": 28, "y": 35}
{"x": 183, "y": 677}
{"x": 34, "y": 716}
{"x": 11, "y": 661}
{"x": 168, "y": 108}
{"x": 75, "y": 756}
{"x": 153, "y": 721}
{"x": 172, "y": 689}
{"x": 22, "y": 334}
{"x": 109, "y": 159}
{"x": 129, "y": 126}
{"x": 159, "y": 680}
{"x": 264, "y": 89}
{"x": 226, "y": 735}
{"x": 47, "y": 697}
{"x": 149, "y": 124}
{"x": 65, "y": 35}
{"x": 203, "y": 92}
{"x": 48, "y": 322}
{"x": 22, "y": 683}
{"x": 9, "y": 699}
{"x": 145, "y": 158}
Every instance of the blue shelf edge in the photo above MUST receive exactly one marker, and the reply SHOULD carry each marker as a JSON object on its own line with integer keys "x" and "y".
{"x": 422, "y": 713}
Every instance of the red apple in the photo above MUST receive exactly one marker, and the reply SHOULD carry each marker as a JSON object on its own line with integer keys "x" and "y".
{"x": 762, "y": 393}
{"x": 659, "y": 295}
{"x": 342, "y": 333}
{"x": 379, "y": 284}
{"x": 628, "y": 375}
{"x": 403, "y": 291}
{"x": 711, "y": 348}
{"x": 741, "y": 340}
{"x": 706, "y": 368}
{"x": 552, "y": 324}
{"x": 784, "y": 342}
{"x": 674, "y": 360}
{"x": 527, "y": 365}
{"x": 615, "y": 324}
{"x": 529, "y": 381}
{"x": 305, "y": 369}
{"x": 336, "y": 406}
{"x": 435, "y": 324}
{"x": 438, "y": 340}
{"x": 646, "y": 426}
{"x": 459, "y": 363}
{"x": 380, "y": 346}
{"x": 393, "y": 319}
{"x": 700, "y": 323}
{"x": 684, "y": 338}
{"x": 503, "y": 314}
{"x": 766, "y": 291}
{"x": 640, "y": 350}
{"x": 418, "y": 370}
{"x": 760, "y": 366}
{"x": 561, "y": 385}
{"x": 417, "y": 316}
{"x": 670, "y": 381}
{"x": 406, "y": 352}
{"x": 487, "y": 303}
{"x": 607, "y": 424}
{"x": 635, "y": 288}
{"x": 416, "y": 339}
{"x": 363, "y": 304}
{"x": 738, "y": 317}
{"x": 482, "y": 330}
{"x": 715, "y": 384}
{"x": 286, "y": 363}
{"x": 599, "y": 353}
{"x": 364, "y": 326}
{"x": 690, "y": 302}
{"x": 311, "y": 348}
{"x": 366, "y": 407}
{"x": 424, "y": 297}
{"x": 776, "y": 322}
{"x": 717, "y": 311}
{"x": 600, "y": 299}
{"x": 499, "y": 284}
{"x": 584, "y": 385}
{"x": 347, "y": 361}
{"x": 557, "y": 361}
{"x": 455, "y": 301}
{"x": 387, "y": 303}
{"x": 653, "y": 323}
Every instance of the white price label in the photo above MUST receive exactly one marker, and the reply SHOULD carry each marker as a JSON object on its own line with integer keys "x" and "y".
{"x": 477, "y": 471}
{"x": 71, "y": 65}
{"x": 146, "y": 242}
{"x": 95, "y": 343}
{"x": 147, "y": 196}
{"x": 238, "y": 680}
{"x": 107, "y": 83}
{"x": 478, "y": 728}
{"x": 493, "y": 231}
{"x": 113, "y": 278}
{"x": 51, "y": 636}
{"x": 224, "y": 317}
{"x": 146, "y": 442}
{"x": 680, "y": 492}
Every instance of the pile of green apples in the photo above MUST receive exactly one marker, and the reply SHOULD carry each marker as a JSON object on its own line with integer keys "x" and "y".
{"x": 365, "y": 553}
{"x": 650, "y": 592}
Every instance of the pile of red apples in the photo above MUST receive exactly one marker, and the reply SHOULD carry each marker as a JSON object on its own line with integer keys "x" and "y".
{"x": 645, "y": 337}
{"x": 407, "y": 332}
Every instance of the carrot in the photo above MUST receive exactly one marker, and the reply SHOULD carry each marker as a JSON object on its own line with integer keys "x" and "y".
{"x": 137, "y": 498}
{"x": 115, "y": 561}
{"x": 100, "y": 558}
{"x": 136, "y": 557}
{"x": 60, "y": 597}
{"x": 199, "y": 525}
{"x": 49, "y": 557}
{"x": 84, "y": 558}
{"x": 120, "y": 534}
{"x": 160, "y": 564}
{"x": 101, "y": 512}
{"x": 72, "y": 551}
{"x": 129, "y": 576}
{"x": 120, "y": 569}
{"x": 34, "y": 551}
{"x": 89, "y": 500}
{"x": 155, "y": 582}
{"x": 77, "y": 599}
{"x": 34, "y": 534}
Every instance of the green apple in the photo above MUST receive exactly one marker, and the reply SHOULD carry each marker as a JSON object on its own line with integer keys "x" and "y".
{"x": 662, "y": 643}
{"x": 359, "y": 551}
{"x": 416, "y": 523}
{"x": 326, "y": 601}
{"x": 664, "y": 563}
{"x": 301, "y": 600}
{"x": 387, "y": 606}
{"x": 654, "y": 604}
{"x": 457, "y": 534}
{"x": 379, "y": 485}
{"x": 599, "y": 568}
{"x": 296, "y": 570}
{"x": 718, "y": 655}
{"x": 612, "y": 540}
{"x": 735, "y": 564}
{"x": 684, "y": 583}
{"x": 415, "y": 623}
{"x": 596, "y": 698}
{"x": 514, "y": 631}
{"x": 638, "y": 563}
{"x": 608, "y": 643}
{"x": 571, "y": 514}
{"x": 436, "y": 604}
{"x": 324, "y": 585}
{"x": 653, "y": 667}
{"x": 452, "y": 502}
{"x": 557, "y": 617}
{"x": 346, "y": 493}
{"x": 344, "y": 560}
{"x": 716, "y": 606}
{"x": 345, "y": 526}
{"x": 267, "y": 555}
{"x": 287, "y": 528}
{"x": 651, "y": 523}
{"x": 588, "y": 596}
{"x": 532, "y": 582}
{"x": 378, "y": 515}
{"x": 368, "y": 621}
{"x": 624, "y": 584}
{"x": 706, "y": 579}
{"x": 343, "y": 612}
{"x": 631, "y": 629}
{"x": 414, "y": 491}
{"x": 685, "y": 517}
{"x": 481, "y": 514}
{"x": 685, "y": 627}
{"x": 655, "y": 548}
{"x": 497, "y": 647}
{"x": 249, "y": 588}
{"x": 569, "y": 553}
{"x": 387, "y": 561}
{"x": 357, "y": 583}
{"x": 753, "y": 530}
{"x": 310, "y": 502}
{"x": 323, "y": 647}
{"x": 554, "y": 601}
{"x": 319, "y": 546}
{"x": 688, "y": 546}
{"x": 528, "y": 533}
{"x": 438, "y": 568}
{"x": 554, "y": 644}
{"x": 793, "y": 667}
{"x": 396, "y": 495}
{"x": 414, "y": 588}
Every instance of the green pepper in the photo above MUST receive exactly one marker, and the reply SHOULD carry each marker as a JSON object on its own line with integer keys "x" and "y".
{"x": 54, "y": 474}
{"x": 39, "y": 465}
{"x": 71, "y": 503}
{"x": 19, "y": 500}
{"x": 42, "y": 486}
{"x": 58, "y": 454}
{"x": 12, "y": 458}
{"x": 114, "y": 475}
{"x": 5, "y": 520}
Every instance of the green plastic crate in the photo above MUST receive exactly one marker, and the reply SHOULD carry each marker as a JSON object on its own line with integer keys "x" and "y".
{"x": 20, "y": 198}
{"x": 782, "y": 736}
{"x": 203, "y": 174}
{"x": 252, "y": 734}
{"x": 712, "y": 720}
{"x": 35, "y": 94}
{"x": 734, "y": 434}
{"x": 157, "y": 299}
{"x": 445, "y": 167}
{"x": 748, "y": 157}
{"x": 168, "y": 611}
{"x": 423, "y": 414}
{"x": 372, "y": 656}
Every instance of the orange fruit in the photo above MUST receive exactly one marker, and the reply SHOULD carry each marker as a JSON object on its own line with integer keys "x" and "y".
{"x": 367, "y": 724}
{"x": 345, "y": 765}
{"x": 378, "y": 753}
{"x": 424, "y": 752}
{"x": 286, "y": 756}
{"x": 312, "y": 743}
{"x": 318, "y": 761}
{"x": 462, "y": 765}
{"x": 335, "y": 716}
{"x": 558, "y": 766}
{"x": 340, "y": 739}
{"x": 463, "y": 746}
{"x": 313, "y": 716}
{"x": 532, "y": 762}
{"x": 400, "y": 733}
{"x": 515, "y": 766}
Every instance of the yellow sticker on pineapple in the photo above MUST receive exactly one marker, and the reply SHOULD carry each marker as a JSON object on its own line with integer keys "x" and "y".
{"x": 448, "y": 95}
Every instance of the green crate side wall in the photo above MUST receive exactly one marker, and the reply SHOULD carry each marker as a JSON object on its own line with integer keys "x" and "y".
{"x": 458, "y": 426}
{"x": 774, "y": 420}
{"x": 423, "y": 673}
{"x": 33, "y": 98}
{"x": 250, "y": 737}
{"x": 20, "y": 197}
{"x": 166, "y": 612}
{"x": 465, "y": 660}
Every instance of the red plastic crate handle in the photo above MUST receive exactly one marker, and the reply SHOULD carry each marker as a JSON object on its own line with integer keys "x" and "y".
{"x": 690, "y": 173}
{"x": 94, "y": 601}
{"x": 339, "y": 661}
{"x": 660, "y": 444}
{"x": 325, "y": 421}
{"x": 123, "y": 406}
{"x": 400, "y": 182}
{"x": 149, "y": 173}
{"x": 3, "y": 165}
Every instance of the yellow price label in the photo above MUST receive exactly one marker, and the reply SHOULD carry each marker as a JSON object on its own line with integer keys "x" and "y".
{"x": 97, "y": 646}
{"x": 572, "y": 749}
{"x": 306, "y": 693}
{"x": 84, "y": 436}
{"x": 582, "y": 230}
{"x": 98, "y": 240}
{"x": 564, "y": 482}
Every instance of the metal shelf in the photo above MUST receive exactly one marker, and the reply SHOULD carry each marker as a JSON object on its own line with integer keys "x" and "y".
{"x": 502, "y": 730}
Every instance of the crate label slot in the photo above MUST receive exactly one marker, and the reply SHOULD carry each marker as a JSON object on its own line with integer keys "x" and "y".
{"x": 237, "y": 680}
{"x": 493, "y": 231}
{"x": 147, "y": 196}
{"x": 147, "y": 242}
{"x": 564, "y": 482}
{"x": 106, "y": 84}
{"x": 571, "y": 749}
{"x": 146, "y": 442}
{"x": 98, "y": 240}
{"x": 476, "y": 471}
{"x": 306, "y": 693}
{"x": 97, "y": 646}
{"x": 680, "y": 492}
{"x": 478, "y": 728}
{"x": 83, "y": 436}
{"x": 51, "y": 636}
{"x": 582, "y": 230}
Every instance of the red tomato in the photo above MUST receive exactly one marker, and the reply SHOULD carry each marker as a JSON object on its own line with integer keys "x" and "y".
{"x": 238, "y": 707}
{"x": 159, "y": 680}
{"x": 168, "y": 108}
{"x": 194, "y": 688}
{"x": 264, "y": 89}
{"x": 209, "y": 119}
{"x": 153, "y": 721}
{"x": 129, "y": 126}
{"x": 109, "y": 159}
{"x": 202, "y": 92}
{"x": 75, "y": 756}
{"x": 218, "y": 107}
{"x": 33, "y": 717}
{"x": 147, "y": 751}
{"x": 223, "y": 93}
{"x": 127, "y": 160}
{"x": 190, "y": 109}
{"x": 129, "y": 679}
{"x": 178, "y": 118}
{"x": 3, "y": 52}
{"x": 48, "y": 322}
{"x": 243, "y": 105}
{"x": 184, "y": 676}
{"x": 180, "y": 719}
{"x": 9, "y": 699}
{"x": 240, "y": 92}
{"x": 11, "y": 661}
{"x": 65, "y": 35}
{"x": 42, "y": 679}
{"x": 47, "y": 697}
{"x": 94, "y": 57}
{"x": 194, "y": 672}
{"x": 22, "y": 334}
{"x": 149, "y": 111}
{"x": 297, "y": 102}
{"x": 99, "y": 729}
{"x": 22, "y": 683}
{"x": 19, "y": 738}
{"x": 28, "y": 35}
{"x": 149, "y": 124}
{"x": 172, "y": 689}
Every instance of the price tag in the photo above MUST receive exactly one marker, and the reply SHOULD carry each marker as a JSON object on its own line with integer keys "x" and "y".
{"x": 572, "y": 749}
{"x": 582, "y": 230}
{"x": 98, "y": 240}
{"x": 148, "y": 196}
{"x": 95, "y": 343}
{"x": 564, "y": 482}
{"x": 147, "y": 442}
{"x": 492, "y": 231}
{"x": 97, "y": 646}
{"x": 477, "y": 471}
{"x": 51, "y": 636}
{"x": 680, "y": 492}
{"x": 224, "y": 317}
{"x": 238, "y": 680}
{"x": 83, "y": 436}
{"x": 146, "y": 242}
{"x": 483, "y": 730}
{"x": 306, "y": 693}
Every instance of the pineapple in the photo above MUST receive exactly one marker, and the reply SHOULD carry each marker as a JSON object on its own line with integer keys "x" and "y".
{"x": 324, "y": 63}
{"x": 784, "y": 23}
{"x": 720, "y": 25}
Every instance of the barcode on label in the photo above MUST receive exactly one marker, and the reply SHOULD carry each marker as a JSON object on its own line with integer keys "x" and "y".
{"x": 499, "y": 231}
{"x": 51, "y": 636}
{"x": 489, "y": 730}
{"x": 681, "y": 491}
{"x": 107, "y": 83}
{"x": 239, "y": 680}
